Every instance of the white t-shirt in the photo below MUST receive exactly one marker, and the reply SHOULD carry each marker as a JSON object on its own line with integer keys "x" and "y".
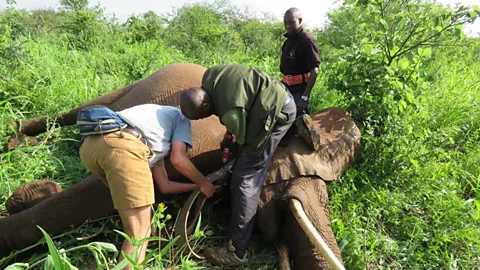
{"x": 160, "y": 126}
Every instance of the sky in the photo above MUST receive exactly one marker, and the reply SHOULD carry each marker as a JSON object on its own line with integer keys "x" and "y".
{"x": 314, "y": 11}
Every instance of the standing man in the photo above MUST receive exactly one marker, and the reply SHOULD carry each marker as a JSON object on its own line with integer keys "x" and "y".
{"x": 300, "y": 60}
{"x": 131, "y": 161}
{"x": 258, "y": 111}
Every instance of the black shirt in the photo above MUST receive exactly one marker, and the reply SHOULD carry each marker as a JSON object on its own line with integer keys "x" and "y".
{"x": 299, "y": 54}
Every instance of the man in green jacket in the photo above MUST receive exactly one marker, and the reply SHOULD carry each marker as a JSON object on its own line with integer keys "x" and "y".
{"x": 258, "y": 110}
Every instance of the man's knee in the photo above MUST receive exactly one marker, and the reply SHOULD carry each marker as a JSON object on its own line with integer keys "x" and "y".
{"x": 136, "y": 221}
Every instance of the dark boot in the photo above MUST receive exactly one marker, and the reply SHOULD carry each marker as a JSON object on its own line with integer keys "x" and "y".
{"x": 224, "y": 256}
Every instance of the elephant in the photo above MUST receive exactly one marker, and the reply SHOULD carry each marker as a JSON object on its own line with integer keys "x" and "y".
{"x": 297, "y": 175}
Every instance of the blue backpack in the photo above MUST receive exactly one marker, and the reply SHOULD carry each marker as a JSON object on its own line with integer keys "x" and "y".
{"x": 97, "y": 120}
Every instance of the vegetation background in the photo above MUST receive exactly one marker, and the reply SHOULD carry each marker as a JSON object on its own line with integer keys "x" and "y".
{"x": 403, "y": 69}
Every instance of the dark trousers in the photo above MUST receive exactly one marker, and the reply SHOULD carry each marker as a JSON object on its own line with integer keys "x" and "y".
{"x": 247, "y": 183}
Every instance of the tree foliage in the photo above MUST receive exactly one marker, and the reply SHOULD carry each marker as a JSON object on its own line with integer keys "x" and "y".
{"x": 74, "y": 5}
{"x": 381, "y": 51}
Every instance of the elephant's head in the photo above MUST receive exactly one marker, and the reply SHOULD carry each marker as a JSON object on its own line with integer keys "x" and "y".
{"x": 295, "y": 183}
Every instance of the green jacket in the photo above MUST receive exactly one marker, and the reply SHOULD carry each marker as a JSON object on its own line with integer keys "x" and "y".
{"x": 247, "y": 101}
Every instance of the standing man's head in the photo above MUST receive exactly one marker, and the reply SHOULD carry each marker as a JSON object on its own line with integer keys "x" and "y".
{"x": 292, "y": 20}
{"x": 195, "y": 103}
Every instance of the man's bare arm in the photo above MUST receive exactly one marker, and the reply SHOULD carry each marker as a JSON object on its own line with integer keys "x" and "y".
{"x": 184, "y": 165}
{"x": 311, "y": 82}
{"x": 166, "y": 186}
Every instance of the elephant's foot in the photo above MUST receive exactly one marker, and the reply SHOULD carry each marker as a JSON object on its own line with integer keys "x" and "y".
{"x": 18, "y": 139}
{"x": 31, "y": 194}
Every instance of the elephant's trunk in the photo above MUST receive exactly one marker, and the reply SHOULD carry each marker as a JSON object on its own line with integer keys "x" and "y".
{"x": 312, "y": 234}
{"x": 88, "y": 199}
{"x": 162, "y": 87}
{"x": 311, "y": 193}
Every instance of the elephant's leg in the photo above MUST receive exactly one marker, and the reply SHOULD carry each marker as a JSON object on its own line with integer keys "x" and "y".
{"x": 162, "y": 87}
{"x": 36, "y": 126}
{"x": 88, "y": 199}
{"x": 312, "y": 193}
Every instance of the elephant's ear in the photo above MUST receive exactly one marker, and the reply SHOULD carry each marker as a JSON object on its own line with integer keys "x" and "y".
{"x": 339, "y": 142}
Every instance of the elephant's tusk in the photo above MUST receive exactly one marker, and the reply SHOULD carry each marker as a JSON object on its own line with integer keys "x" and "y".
{"x": 314, "y": 237}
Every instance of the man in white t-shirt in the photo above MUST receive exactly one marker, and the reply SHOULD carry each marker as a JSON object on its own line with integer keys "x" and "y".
{"x": 129, "y": 162}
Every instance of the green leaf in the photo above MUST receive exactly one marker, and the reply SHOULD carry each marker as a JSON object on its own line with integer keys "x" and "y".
{"x": 473, "y": 15}
{"x": 69, "y": 266}
{"x": 49, "y": 264}
{"x": 403, "y": 63}
{"x": 394, "y": 50}
{"x": 409, "y": 97}
{"x": 196, "y": 233}
{"x": 106, "y": 246}
{"x": 17, "y": 266}
{"x": 95, "y": 255}
{"x": 121, "y": 265}
{"x": 384, "y": 24}
{"x": 425, "y": 52}
{"x": 415, "y": 163}
{"x": 56, "y": 260}
{"x": 476, "y": 9}
{"x": 128, "y": 258}
{"x": 477, "y": 204}
{"x": 402, "y": 105}
{"x": 168, "y": 246}
{"x": 149, "y": 255}
{"x": 124, "y": 236}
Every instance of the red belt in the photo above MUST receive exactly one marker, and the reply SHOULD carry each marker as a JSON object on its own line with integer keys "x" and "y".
{"x": 295, "y": 79}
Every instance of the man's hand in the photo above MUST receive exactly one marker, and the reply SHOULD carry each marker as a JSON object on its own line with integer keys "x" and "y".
{"x": 226, "y": 146}
{"x": 301, "y": 107}
{"x": 207, "y": 188}
{"x": 227, "y": 141}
